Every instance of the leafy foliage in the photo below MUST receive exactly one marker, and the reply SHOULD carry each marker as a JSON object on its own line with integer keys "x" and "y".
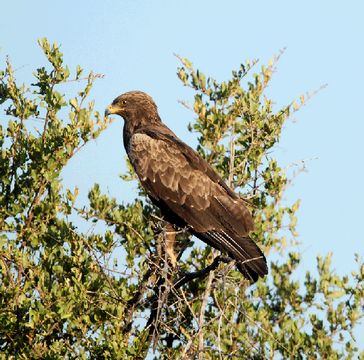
{"x": 63, "y": 292}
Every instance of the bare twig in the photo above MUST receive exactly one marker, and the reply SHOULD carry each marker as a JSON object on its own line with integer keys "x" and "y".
{"x": 187, "y": 277}
{"x": 135, "y": 300}
{"x": 201, "y": 319}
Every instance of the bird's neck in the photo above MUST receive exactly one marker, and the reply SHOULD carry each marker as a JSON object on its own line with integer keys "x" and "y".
{"x": 134, "y": 124}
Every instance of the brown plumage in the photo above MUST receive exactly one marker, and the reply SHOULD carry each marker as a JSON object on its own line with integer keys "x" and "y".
{"x": 184, "y": 186}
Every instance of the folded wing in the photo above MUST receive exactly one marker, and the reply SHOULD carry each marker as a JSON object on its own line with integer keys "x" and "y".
{"x": 189, "y": 192}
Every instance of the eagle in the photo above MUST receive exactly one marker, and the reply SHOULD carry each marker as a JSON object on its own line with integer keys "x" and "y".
{"x": 186, "y": 189}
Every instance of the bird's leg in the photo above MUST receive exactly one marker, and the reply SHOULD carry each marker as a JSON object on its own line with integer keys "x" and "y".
{"x": 170, "y": 238}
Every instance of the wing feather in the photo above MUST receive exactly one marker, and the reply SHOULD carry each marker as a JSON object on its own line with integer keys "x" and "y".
{"x": 183, "y": 184}
{"x": 168, "y": 172}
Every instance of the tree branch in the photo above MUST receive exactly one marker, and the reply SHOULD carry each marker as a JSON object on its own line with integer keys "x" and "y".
{"x": 187, "y": 277}
{"x": 161, "y": 291}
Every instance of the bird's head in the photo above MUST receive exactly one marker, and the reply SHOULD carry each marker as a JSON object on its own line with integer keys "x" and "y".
{"x": 133, "y": 105}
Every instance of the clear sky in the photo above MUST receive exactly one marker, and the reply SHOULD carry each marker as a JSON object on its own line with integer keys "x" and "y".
{"x": 132, "y": 42}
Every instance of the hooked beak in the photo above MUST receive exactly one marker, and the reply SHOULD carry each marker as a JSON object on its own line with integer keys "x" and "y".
{"x": 111, "y": 110}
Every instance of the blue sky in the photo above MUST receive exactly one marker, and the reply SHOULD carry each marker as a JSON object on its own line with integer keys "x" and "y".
{"x": 132, "y": 42}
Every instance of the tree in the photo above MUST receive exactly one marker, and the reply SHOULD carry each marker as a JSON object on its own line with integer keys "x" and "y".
{"x": 69, "y": 294}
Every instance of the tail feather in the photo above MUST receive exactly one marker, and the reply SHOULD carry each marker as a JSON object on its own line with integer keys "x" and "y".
{"x": 251, "y": 261}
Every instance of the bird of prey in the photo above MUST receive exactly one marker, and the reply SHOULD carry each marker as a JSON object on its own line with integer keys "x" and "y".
{"x": 184, "y": 186}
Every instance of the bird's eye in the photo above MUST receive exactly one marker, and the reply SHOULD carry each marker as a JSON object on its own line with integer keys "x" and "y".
{"x": 124, "y": 102}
